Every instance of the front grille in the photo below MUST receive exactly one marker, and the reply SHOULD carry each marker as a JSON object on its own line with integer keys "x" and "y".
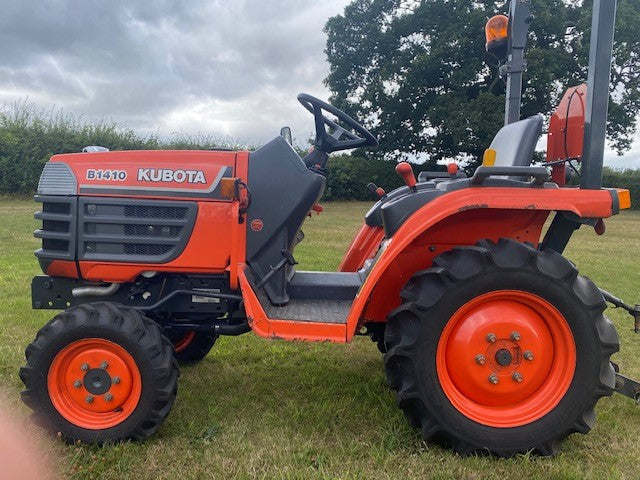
{"x": 58, "y": 231}
{"x": 146, "y": 211}
{"x": 152, "y": 230}
{"x": 126, "y": 230}
{"x": 146, "y": 249}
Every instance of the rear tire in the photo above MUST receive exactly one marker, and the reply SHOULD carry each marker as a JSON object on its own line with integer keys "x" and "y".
{"x": 500, "y": 348}
{"x": 100, "y": 373}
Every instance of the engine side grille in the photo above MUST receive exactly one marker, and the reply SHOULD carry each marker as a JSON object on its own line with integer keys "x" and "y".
{"x": 125, "y": 230}
{"x": 58, "y": 232}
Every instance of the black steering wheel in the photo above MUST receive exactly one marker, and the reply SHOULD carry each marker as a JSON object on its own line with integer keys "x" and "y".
{"x": 340, "y": 138}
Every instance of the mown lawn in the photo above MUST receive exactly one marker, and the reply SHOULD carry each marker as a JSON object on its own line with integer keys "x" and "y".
{"x": 270, "y": 409}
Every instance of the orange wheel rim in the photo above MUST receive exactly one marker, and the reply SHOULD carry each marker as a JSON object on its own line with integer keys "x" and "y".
{"x": 184, "y": 341}
{"x": 94, "y": 383}
{"x": 506, "y": 358}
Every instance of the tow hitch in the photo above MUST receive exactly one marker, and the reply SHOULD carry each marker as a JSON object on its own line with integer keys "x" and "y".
{"x": 624, "y": 385}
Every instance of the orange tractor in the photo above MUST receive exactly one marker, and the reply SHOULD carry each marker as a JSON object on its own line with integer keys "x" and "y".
{"x": 492, "y": 340}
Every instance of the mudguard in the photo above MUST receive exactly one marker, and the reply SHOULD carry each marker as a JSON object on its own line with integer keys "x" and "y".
{"x": 461, "y": 218}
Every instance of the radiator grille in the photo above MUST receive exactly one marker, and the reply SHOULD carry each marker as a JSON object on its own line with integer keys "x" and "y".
{"x": 58, "y": 227}
{"x": 146, "y": 211}
{"x": 127, "y": 230}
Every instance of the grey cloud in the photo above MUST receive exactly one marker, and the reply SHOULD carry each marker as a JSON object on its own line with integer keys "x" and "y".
{"x": 146, "y": 62}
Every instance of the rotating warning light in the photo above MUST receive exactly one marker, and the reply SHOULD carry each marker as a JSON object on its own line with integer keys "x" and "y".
{"x": 497, "y": 34}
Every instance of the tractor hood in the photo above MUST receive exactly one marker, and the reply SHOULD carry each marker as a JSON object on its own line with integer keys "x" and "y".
{"x": 164, "y": 173}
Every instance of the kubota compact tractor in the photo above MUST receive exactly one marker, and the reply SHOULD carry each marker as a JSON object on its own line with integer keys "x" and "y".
{"x": 493, "y": 340}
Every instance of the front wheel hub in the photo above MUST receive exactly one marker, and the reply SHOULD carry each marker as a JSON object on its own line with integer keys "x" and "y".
{"x": 96, "y": 401}
{"x": 524, "y": 390}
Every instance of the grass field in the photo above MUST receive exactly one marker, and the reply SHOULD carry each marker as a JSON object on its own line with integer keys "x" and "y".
{"x": 270, "y": 409}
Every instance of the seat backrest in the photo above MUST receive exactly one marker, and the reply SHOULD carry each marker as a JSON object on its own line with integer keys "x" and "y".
{"x": 515, "y": 143}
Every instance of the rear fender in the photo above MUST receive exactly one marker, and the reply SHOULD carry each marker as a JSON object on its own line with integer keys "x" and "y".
{"x": 462, "y": 218}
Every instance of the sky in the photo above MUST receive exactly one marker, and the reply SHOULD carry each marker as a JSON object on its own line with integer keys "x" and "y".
{"x": 217, "y": 67}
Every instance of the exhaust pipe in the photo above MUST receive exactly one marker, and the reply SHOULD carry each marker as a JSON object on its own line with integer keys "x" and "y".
{"x": 95, "y": 291}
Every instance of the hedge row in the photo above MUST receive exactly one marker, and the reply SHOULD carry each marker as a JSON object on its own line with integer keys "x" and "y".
{"x": 629, "y": 179}
{"x": 29, "y": 137}
{"x": 348, "y": 178}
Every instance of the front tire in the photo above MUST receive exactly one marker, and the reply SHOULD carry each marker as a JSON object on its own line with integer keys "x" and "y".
{"x": 500, "y": 348}
{"x": 100, "y": 373}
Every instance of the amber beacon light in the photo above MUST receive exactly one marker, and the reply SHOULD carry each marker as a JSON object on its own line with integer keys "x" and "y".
{"x": 496, "y": 32}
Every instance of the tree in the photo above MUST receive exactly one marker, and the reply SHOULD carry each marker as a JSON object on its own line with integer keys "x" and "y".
{"x": 417, "y": 74}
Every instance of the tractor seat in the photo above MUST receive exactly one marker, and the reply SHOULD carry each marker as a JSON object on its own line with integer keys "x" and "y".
{"x": 515, "y": 143}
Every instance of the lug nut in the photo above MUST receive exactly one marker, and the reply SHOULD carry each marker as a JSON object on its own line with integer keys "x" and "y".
{"x": 493, "y": 378}
{"x": 517, "y": 377}
{"x": 104, "y": 365}
{"x": 528, "y": 355}
{"x": 77, "y": 383}
{"x": 491, "y": 338}
{"x": 84, "y": 366}
{"x": 89, "y": 399}
{"x": 480, "y": 359}
{"x": 115, "y": 380}
{"x": 108, "y": 397}
{"x": 515, "y": 336}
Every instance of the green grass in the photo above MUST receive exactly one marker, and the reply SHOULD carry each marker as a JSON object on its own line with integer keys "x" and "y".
{"x": 270, "y": 409}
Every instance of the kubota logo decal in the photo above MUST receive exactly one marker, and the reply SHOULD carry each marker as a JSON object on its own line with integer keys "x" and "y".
{"x": 167, "y": 175}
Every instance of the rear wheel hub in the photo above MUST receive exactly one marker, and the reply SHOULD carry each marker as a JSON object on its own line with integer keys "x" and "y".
{"x": 504, "y": 357}
{"x": 500, "y": 326}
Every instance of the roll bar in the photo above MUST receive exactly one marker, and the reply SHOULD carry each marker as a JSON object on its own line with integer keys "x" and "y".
{"x": 601, "y": 47}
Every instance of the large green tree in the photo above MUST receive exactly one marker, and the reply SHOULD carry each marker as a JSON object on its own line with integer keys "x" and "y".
{"x": 416, "y": 72}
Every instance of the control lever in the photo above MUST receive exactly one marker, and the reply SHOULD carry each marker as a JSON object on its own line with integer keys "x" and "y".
{"x": 376, "y": 190}
{"x": 406, "y": 172}
{"x": 286, "y": 260}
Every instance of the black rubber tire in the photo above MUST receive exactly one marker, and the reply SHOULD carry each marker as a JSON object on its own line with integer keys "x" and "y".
{"x": 432, "y": 296}
{"x": 138, "y": 335}
{"x": 376, "y": 333}
{"x": 198, "y": 348}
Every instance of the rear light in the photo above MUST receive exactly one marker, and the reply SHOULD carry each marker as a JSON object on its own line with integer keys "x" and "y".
{"x": 624, "y": 198}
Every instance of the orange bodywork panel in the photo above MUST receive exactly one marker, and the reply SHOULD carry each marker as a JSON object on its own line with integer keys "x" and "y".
{"x": 285, "y": 329}
{"x": 461, "y": 228}
{"x": 364, "y": 246}
{"x": 63, "y": 268}
{"x": 472, "y": 214}
{"x": 566, "y": 131}
{"x": 458, "y": 218}
{"x": 218, "y": 240}
{"x": 214, "y": 236}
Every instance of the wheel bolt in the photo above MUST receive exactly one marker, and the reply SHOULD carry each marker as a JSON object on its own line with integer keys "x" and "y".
{"x": 77, "y": 383}
{"x": 89, "y": 399}
{"x": 491, "y": 338}
{"x": 480, "y": 359}
{"x": 528, "y": 355}
{"x": 104, "y": 365}
{"x": 108, "y": 397}
{"x": 84, "y": 366}
{"x": 493, "y": 378}
{"x": 115, "y": 380}
{"x": 515, "y": 336}
{"x": 517, "y": 377}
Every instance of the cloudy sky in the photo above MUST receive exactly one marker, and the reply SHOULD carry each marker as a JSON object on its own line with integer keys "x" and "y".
{"x": 221, "y": 67}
